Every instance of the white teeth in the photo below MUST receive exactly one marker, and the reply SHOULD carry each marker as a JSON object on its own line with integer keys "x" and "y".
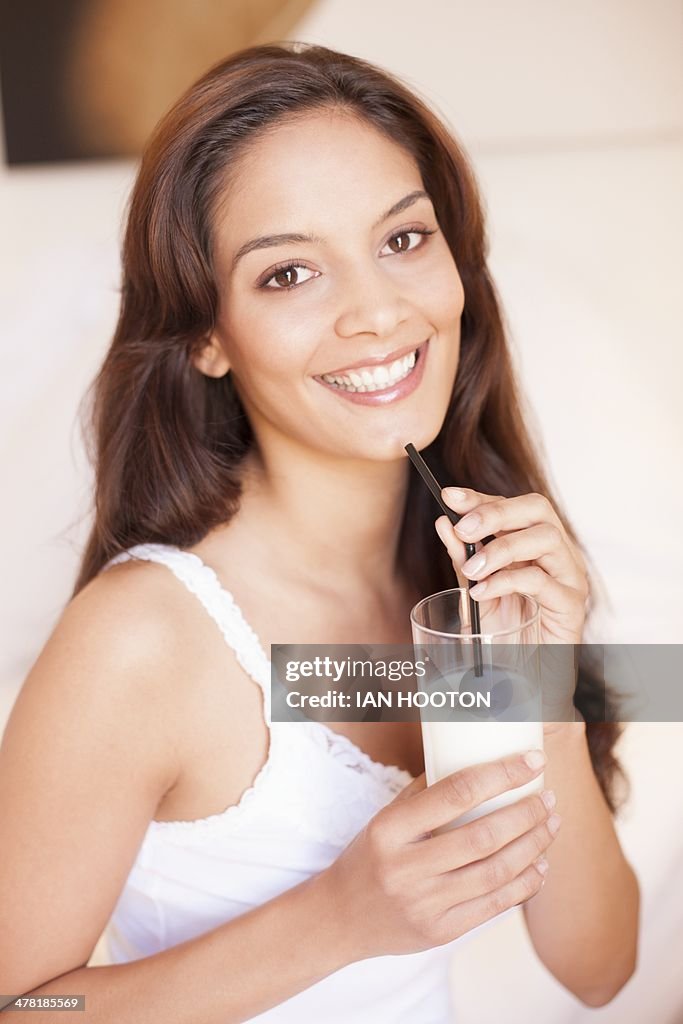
{"x": 373, "y": 379}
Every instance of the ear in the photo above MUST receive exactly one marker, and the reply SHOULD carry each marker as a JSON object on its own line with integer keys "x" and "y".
{"x": 211, "y": 360}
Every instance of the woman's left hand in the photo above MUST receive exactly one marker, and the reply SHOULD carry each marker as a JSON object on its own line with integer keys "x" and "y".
{"x": 531, "y": 554}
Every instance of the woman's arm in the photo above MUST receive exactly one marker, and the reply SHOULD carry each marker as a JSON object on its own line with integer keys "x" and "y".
{"x": 224, "y": 976}
{"x": 386, "y": 894}
{"x": 584, "y": 923}
{"x": 90, "y": 748}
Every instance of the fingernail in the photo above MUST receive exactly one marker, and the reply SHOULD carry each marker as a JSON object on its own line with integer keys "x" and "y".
{"x": 469, "y": 524}
{"x": 453, "y": 494}
{"x": 541, "y": 865}
{"x": 478, "y": 590}
{"x": 535, "y": 759}
{"x": 554, "y": 822}
{"x": 474, "y": 565}
{"x": 548, "y": 798}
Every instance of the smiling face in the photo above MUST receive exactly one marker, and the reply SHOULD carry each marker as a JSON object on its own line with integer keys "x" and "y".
{"x": 329, "y": 261}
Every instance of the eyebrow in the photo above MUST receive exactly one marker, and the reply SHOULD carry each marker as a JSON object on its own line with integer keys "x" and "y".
{"x": 290, "y": 237}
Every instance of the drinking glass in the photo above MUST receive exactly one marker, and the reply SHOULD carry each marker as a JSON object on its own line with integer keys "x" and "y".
{"x": 509, "y": 676}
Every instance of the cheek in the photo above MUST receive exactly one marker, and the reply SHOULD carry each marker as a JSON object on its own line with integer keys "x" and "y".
{"x": 448, "y": 295}
{"x": 438, "y": 291}
{"x": 266, "y": 343}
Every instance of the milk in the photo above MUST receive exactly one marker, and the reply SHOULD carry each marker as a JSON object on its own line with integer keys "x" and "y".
{"x": 471, "y": 738}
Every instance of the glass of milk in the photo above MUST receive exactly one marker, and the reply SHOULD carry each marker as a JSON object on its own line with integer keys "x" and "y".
{"x": 485, "y": 717}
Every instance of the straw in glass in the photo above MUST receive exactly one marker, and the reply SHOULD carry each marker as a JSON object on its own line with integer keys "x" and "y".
{"x": 434, "y": 486}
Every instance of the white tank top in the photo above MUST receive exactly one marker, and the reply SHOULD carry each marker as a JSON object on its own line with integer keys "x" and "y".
{"x": 314, "y": 793}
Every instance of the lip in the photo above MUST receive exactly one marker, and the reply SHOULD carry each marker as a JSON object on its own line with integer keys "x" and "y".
{"x": 393, "y": 392}
{"x": 376, "y": 361}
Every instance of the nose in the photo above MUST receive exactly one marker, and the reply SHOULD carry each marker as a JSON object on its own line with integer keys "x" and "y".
{"x": 371, "y": 304}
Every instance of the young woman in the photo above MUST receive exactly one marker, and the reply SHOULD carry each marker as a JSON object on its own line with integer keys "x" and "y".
{"x": 305, "y": 290}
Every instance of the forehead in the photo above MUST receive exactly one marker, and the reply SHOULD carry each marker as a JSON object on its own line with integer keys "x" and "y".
{"x": 321, "y": 168}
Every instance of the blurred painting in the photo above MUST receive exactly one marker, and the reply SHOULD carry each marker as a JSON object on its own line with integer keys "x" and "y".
{"x": 89, "y": 79}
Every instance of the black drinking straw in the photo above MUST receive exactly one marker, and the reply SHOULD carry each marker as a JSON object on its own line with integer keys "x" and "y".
{"x": 433, "y": 485}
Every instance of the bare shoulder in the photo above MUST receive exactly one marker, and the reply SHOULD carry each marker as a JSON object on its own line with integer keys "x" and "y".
{"x": 119, "y": 661}
{"x": 132, "y": 610}
{"x": 137, "y": 634}
{"x": 89, "y": 750}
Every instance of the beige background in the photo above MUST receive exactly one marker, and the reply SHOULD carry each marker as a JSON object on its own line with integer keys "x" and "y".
{"x": 573, "y": 113}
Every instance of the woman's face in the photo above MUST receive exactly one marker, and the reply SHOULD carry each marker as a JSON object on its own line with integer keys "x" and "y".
{"x": 330, "y": 263}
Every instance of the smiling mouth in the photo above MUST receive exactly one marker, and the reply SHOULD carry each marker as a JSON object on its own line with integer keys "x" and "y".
{"x": 377, "y": 378}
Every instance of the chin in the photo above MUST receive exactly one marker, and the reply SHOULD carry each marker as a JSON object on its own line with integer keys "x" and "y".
{"x": 391, "y": 445}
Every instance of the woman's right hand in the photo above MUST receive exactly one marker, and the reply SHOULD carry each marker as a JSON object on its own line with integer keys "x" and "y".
{"x": 398, "y": 889}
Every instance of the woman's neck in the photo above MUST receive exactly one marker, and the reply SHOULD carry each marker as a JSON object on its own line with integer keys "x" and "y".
{"x": 330, "y": 522}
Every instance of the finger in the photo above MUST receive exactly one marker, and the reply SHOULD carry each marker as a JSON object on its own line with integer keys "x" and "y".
{"x": 463, "y": 499}
{"x": 494, "y": 872}
{"x": 542, "y": 544}
{"x": 447, "y": 799}
{"x": 454, "y": 546}
{"x": 493, "y": 516}
{"x": 532, "y": 580}
{"x": 483, "y": 837}
{"x": 465, "y": 916}
{"x": 470, "y": 502}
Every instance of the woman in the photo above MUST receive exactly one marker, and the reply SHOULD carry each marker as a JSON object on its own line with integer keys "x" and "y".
{"x": 305, "y": 290}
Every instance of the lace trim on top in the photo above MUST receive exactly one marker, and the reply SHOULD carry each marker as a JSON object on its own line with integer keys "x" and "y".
{"x": 220, "y": 605}
{"x": 203, "y": 582}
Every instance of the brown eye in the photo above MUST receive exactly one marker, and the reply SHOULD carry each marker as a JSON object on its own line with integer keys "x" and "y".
{"x": 286, "y": 278}
{"x": 406, "y": 241}
{"x": 401, "y": 242}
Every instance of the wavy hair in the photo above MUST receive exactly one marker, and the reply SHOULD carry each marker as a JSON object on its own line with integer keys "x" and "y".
{"x": 168, "y": 440}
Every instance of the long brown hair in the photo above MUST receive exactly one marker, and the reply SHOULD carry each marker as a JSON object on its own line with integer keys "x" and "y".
{"x": 169, "y": 440}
